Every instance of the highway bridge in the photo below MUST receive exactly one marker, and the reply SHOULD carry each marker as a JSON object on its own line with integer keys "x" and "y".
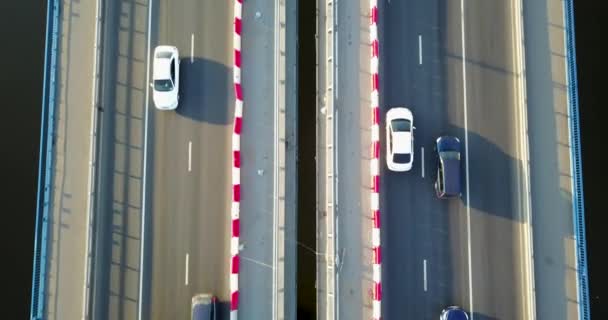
{"x": 141, "y": 209}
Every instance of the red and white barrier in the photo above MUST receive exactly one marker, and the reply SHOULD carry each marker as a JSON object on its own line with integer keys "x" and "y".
{"x": 236, "y": 162}
{"x": 375, "y": 163}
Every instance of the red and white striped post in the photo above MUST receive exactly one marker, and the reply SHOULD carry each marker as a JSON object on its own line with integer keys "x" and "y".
{"x": 375, "y": 163}
{"x": 236, "y": 162}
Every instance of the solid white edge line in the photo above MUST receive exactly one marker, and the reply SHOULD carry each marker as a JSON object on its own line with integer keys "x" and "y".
{"x": 189, "y": 156}
{"x": 424, "y": 272}
{"x": 143, "y": 205}
{"x": 336, "y": 153}
{"x": 422, "y": 160}
{"x": 336, "y": 45}
{"x": 336, "y": 203}
{"x": 187, "y": 264}
{"x": 92, "y": 164}
{"x": 466, "y": 146}
{"x": 419, "y": 49}
{"x": 524, "y": 138}
{"x": 192, "y": 48}
{"x": 275, "y": 204}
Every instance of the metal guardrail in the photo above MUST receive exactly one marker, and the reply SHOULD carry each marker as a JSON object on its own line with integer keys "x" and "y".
{"x": 45, "y": 165}
{"x": 330, "y": 174}
{"x": 578, "y": 201}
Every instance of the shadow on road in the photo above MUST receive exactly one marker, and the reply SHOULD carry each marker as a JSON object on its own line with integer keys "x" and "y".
{"x": 204, "y": 91}
{"x": 481, "y": 316}
{"x": 493, "y": 175}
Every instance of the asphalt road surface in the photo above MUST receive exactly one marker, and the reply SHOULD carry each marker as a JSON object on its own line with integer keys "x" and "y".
{"x": 118, "y": 211}
{"x": 187, "y": 182}
{"x": 469, "y": 251}
{"x": 188, "y": 160}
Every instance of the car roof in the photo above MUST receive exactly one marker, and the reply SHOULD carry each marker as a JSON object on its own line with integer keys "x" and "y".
{"x": 451, "y": 173}
{"x": 402, "y": 142}
{"x": 162, "y": 68}
{"x": 202, "y": 306}
{"x": 202, "y": 311}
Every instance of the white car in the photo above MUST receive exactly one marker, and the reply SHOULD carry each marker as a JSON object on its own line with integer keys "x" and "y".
{"x": 399, "y": 139}
{"x": 165, "y": 76}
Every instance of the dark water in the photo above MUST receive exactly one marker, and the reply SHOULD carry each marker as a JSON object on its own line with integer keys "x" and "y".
{"x": 591, "y": 25}
{"x": 21, "y": 61}
{"x": 306, "y": 162}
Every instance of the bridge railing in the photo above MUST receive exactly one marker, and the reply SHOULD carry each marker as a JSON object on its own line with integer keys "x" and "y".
{"x": 578, "y": 201}
{"x": 45, "y": 165}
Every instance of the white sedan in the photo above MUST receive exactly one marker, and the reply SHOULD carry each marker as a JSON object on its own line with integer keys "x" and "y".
{"x": 165, "y": 76}
{"x": 399, "y": 139}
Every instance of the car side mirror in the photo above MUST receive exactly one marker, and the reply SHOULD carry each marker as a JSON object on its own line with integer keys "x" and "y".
{"x": 151, "y": 85}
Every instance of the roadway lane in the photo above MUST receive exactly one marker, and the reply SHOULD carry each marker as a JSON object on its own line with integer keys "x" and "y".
{"x": 420, "y": 230}
{"x": 497, "y": 142}
{"x": 190, "y": 200}
{"x": 115, "y": 273}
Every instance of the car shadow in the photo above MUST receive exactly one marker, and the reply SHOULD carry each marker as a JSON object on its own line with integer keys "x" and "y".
{"x": 206, "y": 92}
{"x": 495, "y": 177}
{"x": 481, "y": 316}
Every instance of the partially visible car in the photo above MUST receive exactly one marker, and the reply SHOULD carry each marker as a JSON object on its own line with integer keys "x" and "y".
{"x": 447, "y": 184}
{"x": 453, "y": 313}
{"x": 399, "y": 139}
{"x": 204, "y": 307}
{"x": 165, "y": 77}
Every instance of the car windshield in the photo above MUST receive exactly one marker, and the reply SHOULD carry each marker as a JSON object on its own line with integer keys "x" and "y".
{"x": 400, "y": 125}
{"x": 401, "y": 158}
{"x": 456, "y": 315}
{"x": 450, "y": 155}
{"x": 163, "y": 54}
{"x": 163, "y": 85}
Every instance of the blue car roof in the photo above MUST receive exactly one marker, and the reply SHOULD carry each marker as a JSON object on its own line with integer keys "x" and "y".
{"x": 451, "y": 171}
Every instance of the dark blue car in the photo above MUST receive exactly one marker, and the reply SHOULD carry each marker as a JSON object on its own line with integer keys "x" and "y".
{"x": 453, "y": 313}
{"x": 447, "y": 184}
{"x": 204, "y": 307}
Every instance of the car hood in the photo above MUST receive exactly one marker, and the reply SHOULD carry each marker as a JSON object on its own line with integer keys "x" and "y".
{"x": 399, "y": 113}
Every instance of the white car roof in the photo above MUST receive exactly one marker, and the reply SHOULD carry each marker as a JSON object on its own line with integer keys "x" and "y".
{"x": 402, "y": 142}
{"x": 162, "y": 66}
